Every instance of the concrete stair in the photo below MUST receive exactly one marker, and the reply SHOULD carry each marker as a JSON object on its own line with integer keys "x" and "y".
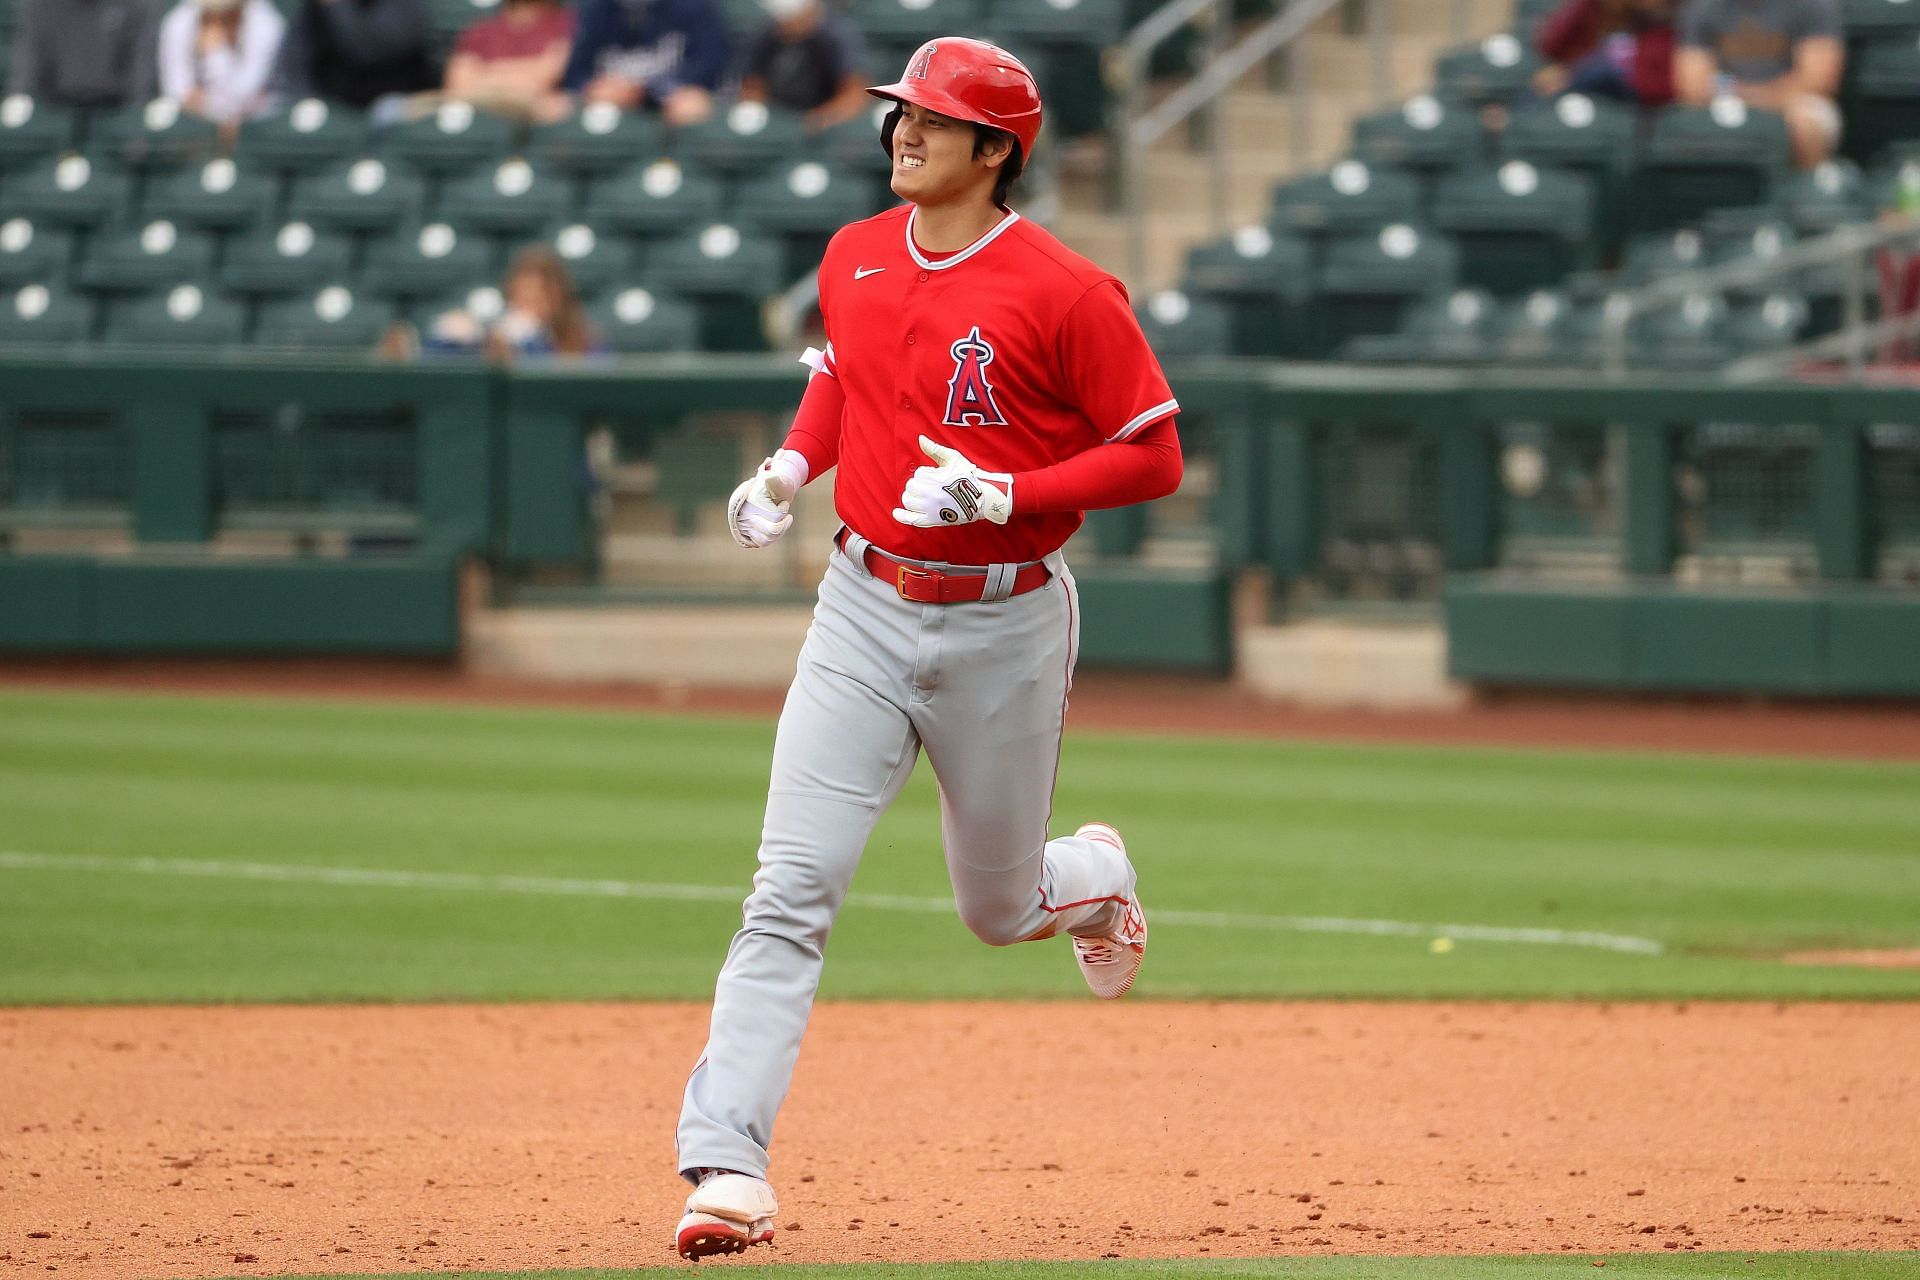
{"x": 1261, "y": 136}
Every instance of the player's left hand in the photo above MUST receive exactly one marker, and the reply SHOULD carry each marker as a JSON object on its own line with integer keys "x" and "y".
{"x": 953, "y": 491}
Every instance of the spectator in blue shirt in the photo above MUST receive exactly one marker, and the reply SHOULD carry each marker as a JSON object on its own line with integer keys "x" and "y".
{"x": 667, "y": 55}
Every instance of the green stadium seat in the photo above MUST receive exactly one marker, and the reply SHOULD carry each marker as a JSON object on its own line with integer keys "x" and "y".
{"x": 1089, "y": 24}
{"x": 358, "y": 195}
{"x": 1533, "y": 331}
{"x": 1692, "y": 336}
{"x": 1498, "y": 69}
{"x": 729, "y": 271}
{"x": 742, "y": 139}
{"x": 291, "y": 258}
{"x": 69, "y": 191}
{"x": 1702, "y": 158}
{"x": 40, "y": 314}
{"x": 1263, "y": 282}
{"x": 512, "y": 200}
{"x": 1179, "y": 325}
{"x": 1594, "y": 137}
{"x": 1663, "y": 254}
{"x": 659, "y": 198}
{"x": 142, "y": 259}
{"x": 854, "y": 145}
{"x": 744, "y": 17}
{"x": 1528, "y": 13}
{"x": 806, "y": 196}
{"x": 1879, "y": 17}
{"x": 599, "y": 263}
{"x": 1350, "y": 197}
{"x": 1423, "y": 135}
{"x": 634, "y": 321}
{"x": 1895, "y": 185}
{"x": 1830, "y": 195}
{"x": 453, "y": 139}
{"x": 1773, "y": 323}
{"x": 1738, "y": 235}
{"x": 455, "y": 320}
{"x": 805, "y": 203}
{"x": 1371, "y": 283}
{"x": 31, "y": 132}
{"x": 333, "y": 318}
{"x": 308, "y": 137}
{"x": 428, "y": 262}
{"x": 1519, "y": 228}
{"x": 597, "y": 139}
{"x": 909, "y": 23}
{"x": 31, "y": 254}
{"x": 185, "y": 315}
{"x": 1456, "y": 329}
{"x": 1883, "y": 100}
{"x": 158, "y": 136}
{"x": 218, "y": 196}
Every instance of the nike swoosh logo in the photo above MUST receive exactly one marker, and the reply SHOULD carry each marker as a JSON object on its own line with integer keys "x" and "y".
{"x": 861, "y": 273}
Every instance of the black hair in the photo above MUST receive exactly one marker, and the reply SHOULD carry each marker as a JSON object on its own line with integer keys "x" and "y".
{"x": 1010, "y": 169}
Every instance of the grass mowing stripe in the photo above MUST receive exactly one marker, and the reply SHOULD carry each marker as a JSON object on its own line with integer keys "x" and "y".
{"x": 1727, "y": 863}
{"x": 1568, "y": 1266}
{"x": 554, "y": 887}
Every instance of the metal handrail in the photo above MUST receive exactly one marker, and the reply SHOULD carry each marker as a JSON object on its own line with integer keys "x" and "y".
{"x": 1848, "y": 245}
{"x": 1139, "y": 130}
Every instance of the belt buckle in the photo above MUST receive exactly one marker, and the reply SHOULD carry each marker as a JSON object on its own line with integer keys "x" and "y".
{"x": 905, "y": 573}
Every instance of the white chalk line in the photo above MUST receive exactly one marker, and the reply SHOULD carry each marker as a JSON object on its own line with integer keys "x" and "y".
{"x": 555, "y": 886}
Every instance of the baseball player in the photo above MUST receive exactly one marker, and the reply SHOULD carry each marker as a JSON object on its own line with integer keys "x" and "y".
{"x": 981, "y": 388}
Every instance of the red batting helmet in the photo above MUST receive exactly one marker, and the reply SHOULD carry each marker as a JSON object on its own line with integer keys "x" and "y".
{"x": 974, "y": 81}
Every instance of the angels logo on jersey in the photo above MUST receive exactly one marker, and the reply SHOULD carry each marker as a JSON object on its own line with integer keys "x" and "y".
{"x": 970, "y": 400}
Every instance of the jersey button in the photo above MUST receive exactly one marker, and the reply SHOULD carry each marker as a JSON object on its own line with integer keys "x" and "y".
{"x": 906, "y": 402}
{"x": 911, "y": 339}
{"x": 924, "y": 277}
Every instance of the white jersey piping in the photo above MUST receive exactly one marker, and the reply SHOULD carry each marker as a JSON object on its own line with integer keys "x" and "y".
{"x": 965, "y": 253}
{"x": 1151, "y": 415}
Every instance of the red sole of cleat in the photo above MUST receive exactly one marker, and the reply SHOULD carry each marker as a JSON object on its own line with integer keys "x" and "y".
{"x": 710, "y": 1242}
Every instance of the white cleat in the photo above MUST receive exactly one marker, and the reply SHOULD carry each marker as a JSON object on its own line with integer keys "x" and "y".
{"x": 727, "y": 1213}
{"x": 1111, "y": 961}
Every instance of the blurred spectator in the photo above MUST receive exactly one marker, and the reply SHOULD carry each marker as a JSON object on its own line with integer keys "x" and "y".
{"x": 512, "y": 62}
{"x": 1783, "y": 56}
{"x": 217, "y": 57}
{"x": 370, "y": 54}
{"x": 542, "y": 316}
{"x": 807, "y": 59}
{"x": 86, "y": 53}
{"x": 668, "y": 55}
{"x": 1609, "y": 48}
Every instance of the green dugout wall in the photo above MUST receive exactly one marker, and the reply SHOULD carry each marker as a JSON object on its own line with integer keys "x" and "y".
{"x": 1585, "y": 533}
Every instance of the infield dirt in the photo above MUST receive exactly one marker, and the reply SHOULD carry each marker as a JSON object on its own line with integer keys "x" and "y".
{"x": 220, "y": 1141}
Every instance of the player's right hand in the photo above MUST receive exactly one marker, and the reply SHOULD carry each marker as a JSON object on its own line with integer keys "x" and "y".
{"x": 757, "y": 512}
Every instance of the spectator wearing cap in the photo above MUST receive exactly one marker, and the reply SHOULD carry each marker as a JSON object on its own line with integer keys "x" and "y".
{"x": 371, "y": 54}
{"x": 809, "y": 60}
{"x": 665, "y": 55}
{"x": 512, "y": 63}
{"x": 1783, "y": 56}
{"x": 217, "y": 57}
{"x": 1609, "y": 48}
{"x": 86, "y": 53}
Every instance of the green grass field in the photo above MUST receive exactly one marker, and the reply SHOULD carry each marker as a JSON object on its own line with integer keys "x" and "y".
{"x": 158, "y": 848}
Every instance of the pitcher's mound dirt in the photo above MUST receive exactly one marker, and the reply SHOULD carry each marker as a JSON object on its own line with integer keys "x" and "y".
{"x": 193, "y": 1142}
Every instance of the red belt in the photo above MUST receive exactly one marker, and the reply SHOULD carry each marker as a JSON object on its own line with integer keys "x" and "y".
{"x": 937, "y": 586}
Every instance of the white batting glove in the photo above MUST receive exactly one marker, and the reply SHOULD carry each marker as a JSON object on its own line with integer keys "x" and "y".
{"x": 953, "y": 491}
{"x": 757, "y": 512}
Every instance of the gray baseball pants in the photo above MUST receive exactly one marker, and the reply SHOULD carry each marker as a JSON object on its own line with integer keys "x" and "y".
{"x": 982, "y": 687}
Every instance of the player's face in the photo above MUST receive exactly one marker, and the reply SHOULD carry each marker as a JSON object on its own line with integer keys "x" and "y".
{"x": 933, "y": 160}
